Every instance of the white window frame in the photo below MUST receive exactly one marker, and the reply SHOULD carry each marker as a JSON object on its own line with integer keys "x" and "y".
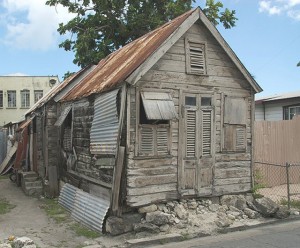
{"x": 290, "y": 117}
{"x": 38, "y": 94}
{"x": 11, "y": 99}
{"x": 25, "y": 98}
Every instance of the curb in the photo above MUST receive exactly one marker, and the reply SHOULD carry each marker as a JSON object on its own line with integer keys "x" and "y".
{"x": 175, "y": 237}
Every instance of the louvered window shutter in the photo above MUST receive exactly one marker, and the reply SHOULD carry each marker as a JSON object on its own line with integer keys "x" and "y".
{"x": 240, "y": 137}
{"x": 196, "y": 58}
{"x": 162, "y": 134}
{"x": 190, "y": 133}
{"x": 146, "y": 140}
{"x": 206, "y": 132}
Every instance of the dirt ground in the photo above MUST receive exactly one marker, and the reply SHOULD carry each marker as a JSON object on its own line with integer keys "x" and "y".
{"x": 29, "y": 219}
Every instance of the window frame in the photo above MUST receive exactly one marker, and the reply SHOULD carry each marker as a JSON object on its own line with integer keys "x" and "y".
{"x": 287, "y": 113}
{"x": 36, "y": 92}
{"x": 25, "y": 98}
{"x": 189, "y": 69}
{"x": 155, "y": 127}
{"x": 1, "y": 99}
{"x": 13, "y": 100}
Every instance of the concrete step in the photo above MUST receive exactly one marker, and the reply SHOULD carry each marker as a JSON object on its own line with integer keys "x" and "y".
{"x": 29, "y": 174}
{"x": 33, "y": 191}
{"x": 37, "y": 183}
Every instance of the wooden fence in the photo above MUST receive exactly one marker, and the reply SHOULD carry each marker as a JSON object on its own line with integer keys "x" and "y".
{"x": 277, "y": 143}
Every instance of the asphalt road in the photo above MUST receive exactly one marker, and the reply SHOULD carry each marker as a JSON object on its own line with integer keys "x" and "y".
{"x": 282, "y": 235}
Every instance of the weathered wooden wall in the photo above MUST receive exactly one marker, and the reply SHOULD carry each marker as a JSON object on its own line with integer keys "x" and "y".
{"x": 156, "y": 179}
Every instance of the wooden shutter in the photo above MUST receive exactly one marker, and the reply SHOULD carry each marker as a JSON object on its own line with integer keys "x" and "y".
{"x": 234, "y": 138}
{"x": 206, "y": 132}
{"x": 162, "y": 134}
{"x": 146, "y": 140}
{"x": 190, "y": 133}
{"x": 196, "y": 58}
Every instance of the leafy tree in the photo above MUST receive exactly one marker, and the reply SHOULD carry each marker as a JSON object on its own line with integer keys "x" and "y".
{"x": 102, "y": 26}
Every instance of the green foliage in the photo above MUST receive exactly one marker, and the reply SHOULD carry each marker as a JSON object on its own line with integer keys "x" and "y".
{"x": 293, "y": 203}
{"x": 258, "y": 183}
{"x": 5, "y": 206}
{"x": 54, "y": 210}
{"x": 101, "y": 27}
{"x": 81, "y": 230}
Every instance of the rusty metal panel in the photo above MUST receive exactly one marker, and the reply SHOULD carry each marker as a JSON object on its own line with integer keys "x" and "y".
{"x": 159, "y": 106}
{"x": 117, "y": 66}
{"x": 105, "y": 126}
{"x": 84, "y": 207}
{"x": 63, "y": 116}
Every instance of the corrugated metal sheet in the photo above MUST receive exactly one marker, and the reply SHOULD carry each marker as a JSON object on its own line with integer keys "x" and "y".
{"x": 104, "y": 131}
{"x": 159, "y": 106}
{"x": 63, "y": 116}
{"x": 116, "y": 67}
{"x": 84, "y": 207}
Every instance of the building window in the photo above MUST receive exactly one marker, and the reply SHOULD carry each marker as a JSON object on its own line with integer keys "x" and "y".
{"x": 1, "y": 99}
{"x": 11, "y": 99}
{"x": 195, "y": 57}
{"x": 156, "y": 109}
{"x": 38, "y": 94}
{"x": 25, "y": 98}
{"x": 290, "y": 112}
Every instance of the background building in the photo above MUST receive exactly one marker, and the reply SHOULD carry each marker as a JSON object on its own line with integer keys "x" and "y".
{"x": 19, "y": 93}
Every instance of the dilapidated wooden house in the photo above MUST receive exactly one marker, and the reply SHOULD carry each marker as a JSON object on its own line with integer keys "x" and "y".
{"x": 168, "y": 116}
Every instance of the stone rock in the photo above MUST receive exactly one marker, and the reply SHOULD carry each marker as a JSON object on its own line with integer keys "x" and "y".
{"x": 29, "y": 246}
{"x": 181, "y": 212}
{"x": 158, "y": 218}
{"x": 282, "y": 213}
{"x": 237, "y": 201}
{"x": 214, "y": 207}
{"x": 23, "y": 242}
{"x": 5, "y": 245}
{"x": 235, "y": 214}
{"x": 192, "y": 205}
{"x": 164, "y": 228}
{"x": 251, "y": 214}
{"x": 116, "y": 226}
{"x": 294, "y": 212}
{"x": 223, "y": 222}
{"x": 231, "y": 217}
{"x": 170, "y": 205}
{"x": 148, "y": 209}
{"x": 266, "y": 206}
{"x": 146, "y": 227}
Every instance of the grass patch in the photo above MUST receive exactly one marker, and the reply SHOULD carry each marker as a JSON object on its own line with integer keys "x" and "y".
{"x": 258, "y": 184}
{"x": 293, "y": 203}
{"x": 5, "y": 206}
{"x": 81, "y": 230}
{"x": 4, "y": 177}
{"x": 54, "y": 210}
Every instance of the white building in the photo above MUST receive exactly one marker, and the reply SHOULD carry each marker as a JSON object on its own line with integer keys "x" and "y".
{"x": 19, "y": 93}
{"x": 278, "y": 107}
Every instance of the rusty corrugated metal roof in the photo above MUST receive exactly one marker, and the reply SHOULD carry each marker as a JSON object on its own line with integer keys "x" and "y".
{"x": 116, "y": 67}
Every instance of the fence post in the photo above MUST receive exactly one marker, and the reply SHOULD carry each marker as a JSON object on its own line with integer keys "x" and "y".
{"x": 287, "y": 165}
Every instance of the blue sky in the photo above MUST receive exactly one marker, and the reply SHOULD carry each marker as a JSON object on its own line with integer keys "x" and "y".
{"x": 265, "y": 39}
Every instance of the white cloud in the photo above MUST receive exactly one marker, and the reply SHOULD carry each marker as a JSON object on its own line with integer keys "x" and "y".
{"x": 30, "y": 24}
{"x": 291, "y": 8}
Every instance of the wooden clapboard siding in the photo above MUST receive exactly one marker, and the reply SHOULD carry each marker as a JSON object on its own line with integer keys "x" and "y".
{"x": 152, "y": 179}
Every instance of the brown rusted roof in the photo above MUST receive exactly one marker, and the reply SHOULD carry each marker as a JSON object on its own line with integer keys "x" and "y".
{"x": 116, "y": 67}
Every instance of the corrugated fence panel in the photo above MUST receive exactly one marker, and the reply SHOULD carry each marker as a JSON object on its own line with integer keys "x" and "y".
{"x": 84, "y": 207}
{"x": 105, "y": 126}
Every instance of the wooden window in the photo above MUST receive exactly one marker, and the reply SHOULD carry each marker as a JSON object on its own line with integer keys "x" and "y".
{"x": 191, "y": 117}
{"x": 156, "y": 109}
{"x": 235, "y": 138}
{"x": 195, "y": 57}
{"x": 290, "y": 112}
{"x": 206, "y": 132}
{"x": 38, "y": 94}
{"x": 235, "y": 120}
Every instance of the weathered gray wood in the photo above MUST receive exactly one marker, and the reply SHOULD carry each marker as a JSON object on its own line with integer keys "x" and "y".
{"x": 141, "y": 181}
{"x": 151, "y": 189}
{"x": 161, "y": 170}
{"x": 232, "y": 189}
{"x": 230, "y": 181}
{"x": 137, "y": 201}
{"x": 232, "y": 172}
{"x": 53, "y": 181}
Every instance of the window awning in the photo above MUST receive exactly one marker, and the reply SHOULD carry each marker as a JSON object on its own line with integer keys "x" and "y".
{"x": 159, "y": 106}
{"x": 63, "y": 116}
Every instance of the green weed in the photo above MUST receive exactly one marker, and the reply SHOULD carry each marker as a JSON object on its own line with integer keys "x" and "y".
{"x": 258, "y": 183}
{"x": 293, "y": 203}
{"x": 5, "y": 206}
{"x": 54, "y": 210}
{"x": 81, "y": 230}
